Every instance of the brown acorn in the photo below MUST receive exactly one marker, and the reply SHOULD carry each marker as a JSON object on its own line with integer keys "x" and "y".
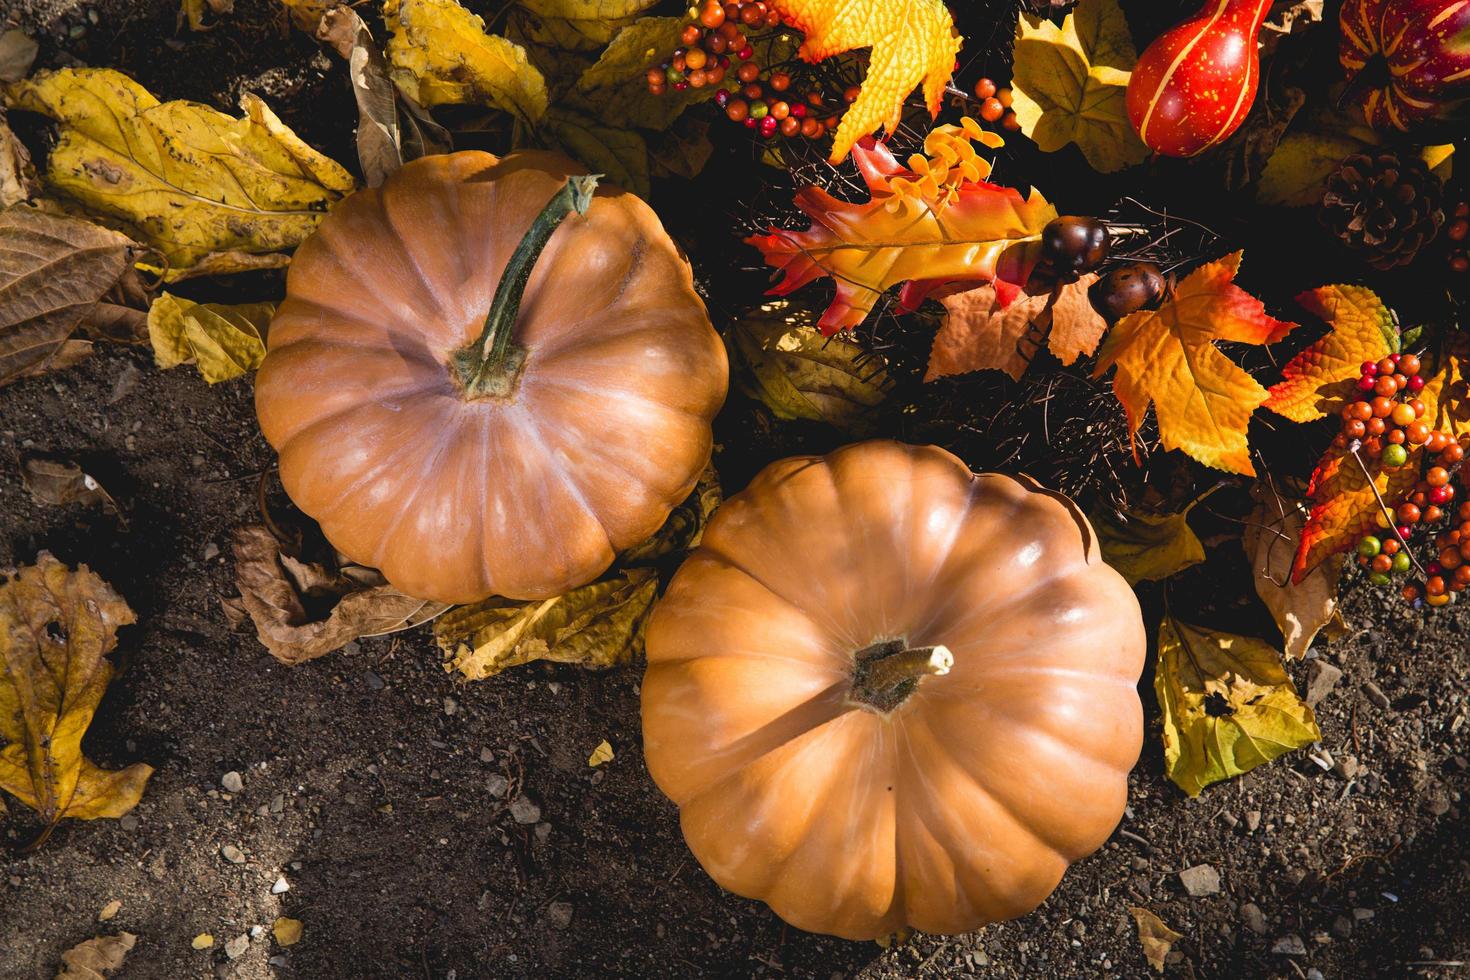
{"x": 1074, "y": 244}
{"x": 1127, "y": 289}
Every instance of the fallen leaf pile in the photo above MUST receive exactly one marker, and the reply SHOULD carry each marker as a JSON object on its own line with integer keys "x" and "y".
{"x": 56, "y": 628}
{"x": 1168, "y": 357}
{"x": 933, "y": 222}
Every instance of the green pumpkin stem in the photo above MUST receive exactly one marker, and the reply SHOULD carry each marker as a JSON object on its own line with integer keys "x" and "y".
{"x": 489, "y": 366}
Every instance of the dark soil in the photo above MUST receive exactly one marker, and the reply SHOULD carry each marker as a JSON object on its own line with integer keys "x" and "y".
{"x": 370, "y": 776}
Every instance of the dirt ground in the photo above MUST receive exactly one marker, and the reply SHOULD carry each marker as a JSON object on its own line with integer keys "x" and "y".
{"x": 381, "y": 790}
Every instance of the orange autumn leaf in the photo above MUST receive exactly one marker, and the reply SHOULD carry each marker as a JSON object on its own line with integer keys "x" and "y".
{"x": 1168, "y": 357}
{"x": 979, "y": 333}
{"x": 935, "y": 221}
{"x": 1314, "y": 383}
{"x": 1343, "y": 504}
{"x": 911, "y": 42}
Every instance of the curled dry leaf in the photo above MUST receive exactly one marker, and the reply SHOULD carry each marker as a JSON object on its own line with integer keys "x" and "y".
{"x": 58, "y": 482}
{"x": 53, "y": 272}
{"x": 56, "y": 629}
{"x": 1146, "y": 547}
{"x": 979, "y": 332}
{"x": 223, "y": 342}
{"x": 576, "y": 25}
{"x": 596, "y": 626}
{"x": 685, "y": 525}
{"x": 1227, "y": 703}
{"x": 440, "y": 54}
{"x": 613, "y": 90}
{"x": 272, "y": 585}
{"x": 620, "y": 154}
{"x": 307, "y": 14}
{"x": 96, "y": 958}
{"x": 18, "y": 180}
{"x": 1070, "y": 84}
{"x": 1155, "y": 937}
{"x": 211, "y": 193}
{"x": 796, "y": 372}
{"x": 1302, "y": 608}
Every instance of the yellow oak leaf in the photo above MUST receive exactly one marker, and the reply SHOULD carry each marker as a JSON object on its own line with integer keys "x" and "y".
{"x": 911, "y": 42}
{"x": 598, "y": 625}
{"x": 1168, "y": 357}
{"x": 224, "y": 342}
{"x": 56, "y": 628}
{"x": 979, "y": 333}
{"x": 440, "y": 54}
{"x": 933, "y": 222}
{"x": 1227, "y": 705}
{"x": 209, "y": 192}
{"x": 1315, "y": 382}
{"x": 1069, "y": 84}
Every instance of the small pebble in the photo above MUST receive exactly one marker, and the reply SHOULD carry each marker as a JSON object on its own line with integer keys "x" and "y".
{"x": 1362, "y": 915}
{"x": 232, "y": 854}
{"x": 278, "y": 803}
{"x": 128, "y": 822}
{"x": 543, "y": 831}
{"x": 1253, "y": 917}
{"x": 1253, "y": 820}
{"x": 1342, "y": 927}
{"x": 1200, "y": 880}
{"x": 1322, "y": 677}
{"x": 1376, "y": 695}
{"x": 236, "y": 947}
{"x": 373, "y": 681}
{"x": 257, "y": 931}
{"x": 281, "y": 887}
{"x": 559, "y": 914}
{"x": 523, "y": 810}
{"x": 487, "y": 754}
{"x": 1347, "y": 766}
{"x": 497, "y": 785}
{"x": 1289, "y": 945}
{"x": 450, "y": 706}
{"x": 233, "y": 782}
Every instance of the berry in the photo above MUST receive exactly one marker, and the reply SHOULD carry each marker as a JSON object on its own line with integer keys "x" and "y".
{"x": 1361, "y": 410}
{"x": 1369, "y": 546}
{"x": 738, "y": 110}
{"x": 1382, "y": 407}
{"x": 748, "y": 72}
{"x": 1400, "y": 562}
{"x": 1408, "y": 364}
{"x": 745, "y": 53}
{"x": 1385, "y": 385}
{"x": 1392, "y": 457}
{"x": 1441, "y": 495}
{"x": 1382, "y": 563}
{"x": 1369, "y": 368}
{"x": 1380, "y": 579}
{"x": 991, "y": 110}
{"x": 1387, "y": 365}
{"x": 1402, "y": 414}
{"x": 780, "y": 81}
{"x": 1404, "y": 531}
{"x": 712, "y": 16}
{"x": 984, "y": 89}
{"x": 1437, "y": 476}
{"x": 1452, "y": 454}
{"x": 1418, "y": 432}
{"x": 1366, "y": 382}
{"x": 1408, "y": 513}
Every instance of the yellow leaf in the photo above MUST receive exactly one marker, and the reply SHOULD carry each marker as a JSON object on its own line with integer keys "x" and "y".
{"x": 614, "y": 89}
{"x": 913, "y": 42}
{"x": 1155, "y": 937}
{"x": 1148, "y": 547}
{"x": 603, "y": 753}
{"x": 1070, "y": 82}
{"x": 1302, "y": 608}
{"x": 1227, "y": 703}
{"x": 307, "y": 14}
{"x": 209, "y": 192}
{"x": 441, "y": 55}
{"x": 799, "y": 374}
{"x": 619, "y": 154}
{"x": 203, "y": 941}
{"x": 598, "y": 625}
{"x": 1315, "y": 382}
{"x": 109, "y": 911}
{"x": 224, "y": 342}
{"x": 287, "y": 931}
{"x": 96, "y": 958}
{"x": 587, "y": 9}
{"x": 1167, "y": 356}
{"x": 56, "y": 629}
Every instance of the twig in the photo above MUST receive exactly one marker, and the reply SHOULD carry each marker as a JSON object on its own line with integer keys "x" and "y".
{"x": 1373, "y": 485}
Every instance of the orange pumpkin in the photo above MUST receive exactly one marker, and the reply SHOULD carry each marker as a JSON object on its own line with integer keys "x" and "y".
{"x": 475, "y": 422}
{"x": 887, "y": 692}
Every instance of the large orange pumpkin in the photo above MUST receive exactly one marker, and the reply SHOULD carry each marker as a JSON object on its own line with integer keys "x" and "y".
{"x": 472, "y": 423}
{"x": 886, "y": 692}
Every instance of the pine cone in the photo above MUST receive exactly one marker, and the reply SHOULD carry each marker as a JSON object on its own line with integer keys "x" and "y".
{"x": 1385, "y": 207}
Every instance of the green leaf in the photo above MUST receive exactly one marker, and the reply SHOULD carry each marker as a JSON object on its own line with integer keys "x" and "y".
{"x": 1227, "y": 705}
{"x": 597, "y": 626}
{"x": 224, "y": 342}
{"x": 1147, "y": 547}
{"x": 800, "y": 374}
{"x": 619, "y": 154}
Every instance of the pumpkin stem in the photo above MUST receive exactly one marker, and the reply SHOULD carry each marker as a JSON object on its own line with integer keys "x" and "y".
{"x": 887, "y": 674}
{"x": 489, "y": 366}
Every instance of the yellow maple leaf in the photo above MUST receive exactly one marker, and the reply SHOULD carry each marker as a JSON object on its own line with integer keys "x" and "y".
{"x": 1168, "y": 357}
{"x": 1070, "y": 82}
{"x": 440, "y": 54}
{"x": 222, "y": 341}
{"x": 1227, "y": 705}
{"x": 911, "y": 42}
{"x": 1314, "y": 382}
{"x": 56, "y": 629}
{"x": 210, "y": 192}
{"x": 935, "y": 221}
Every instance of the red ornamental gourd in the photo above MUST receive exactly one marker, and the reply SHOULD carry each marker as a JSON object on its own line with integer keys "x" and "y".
{"x": 1407, "y": 61}
{"x": 486, "y": 380}
{"x": 1194, "y": 85}
{"x": 887, "y": 692}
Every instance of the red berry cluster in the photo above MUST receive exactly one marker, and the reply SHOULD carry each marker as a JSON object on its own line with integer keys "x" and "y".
{"x": 1385, "y": 420}
{"x": 716, "y": 44}
{"x": 995, "y": 105}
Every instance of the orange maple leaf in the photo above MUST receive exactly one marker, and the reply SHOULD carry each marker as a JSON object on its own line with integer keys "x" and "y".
{"x": 1314, "y": 383}
{"x": 1167, "y": 356}
{"x": 911, "y": 41}
{"x": 1343, "y": 504}
{"x": 979, "y": 333}
{"x": 935, "y": 221}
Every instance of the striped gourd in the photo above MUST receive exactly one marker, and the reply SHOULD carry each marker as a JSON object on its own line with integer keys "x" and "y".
{"x": 1406, "y": 60}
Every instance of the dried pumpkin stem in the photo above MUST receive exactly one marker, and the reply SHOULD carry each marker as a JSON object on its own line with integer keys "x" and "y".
{"x": 888, "y": 673}
{"x": 488, "y": 367}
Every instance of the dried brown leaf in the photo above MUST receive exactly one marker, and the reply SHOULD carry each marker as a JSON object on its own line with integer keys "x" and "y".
{"x": 59, "y": 482}
{"x": 53, "y": 272}
{"x": 17, "y": 54}
{"x": 1155, "y": 937}
{"x": 978, "y": 333}
{"x": 56, "y": 629}
{"x": 96, "y": 958}
{"x": 271, "y": 586}
{"x": 1300, "y": 609}
{"x": 18, "y": 179}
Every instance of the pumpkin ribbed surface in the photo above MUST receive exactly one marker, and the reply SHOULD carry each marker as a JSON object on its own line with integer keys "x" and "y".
{"x": 965, "y": 802}
{"x": 527, "y": 495}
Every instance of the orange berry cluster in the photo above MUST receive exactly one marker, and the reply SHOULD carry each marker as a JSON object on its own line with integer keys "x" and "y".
{"x": 716, "y": 45}
{"x": 1387, "y": 415}
{"x": 995, "y": 105}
